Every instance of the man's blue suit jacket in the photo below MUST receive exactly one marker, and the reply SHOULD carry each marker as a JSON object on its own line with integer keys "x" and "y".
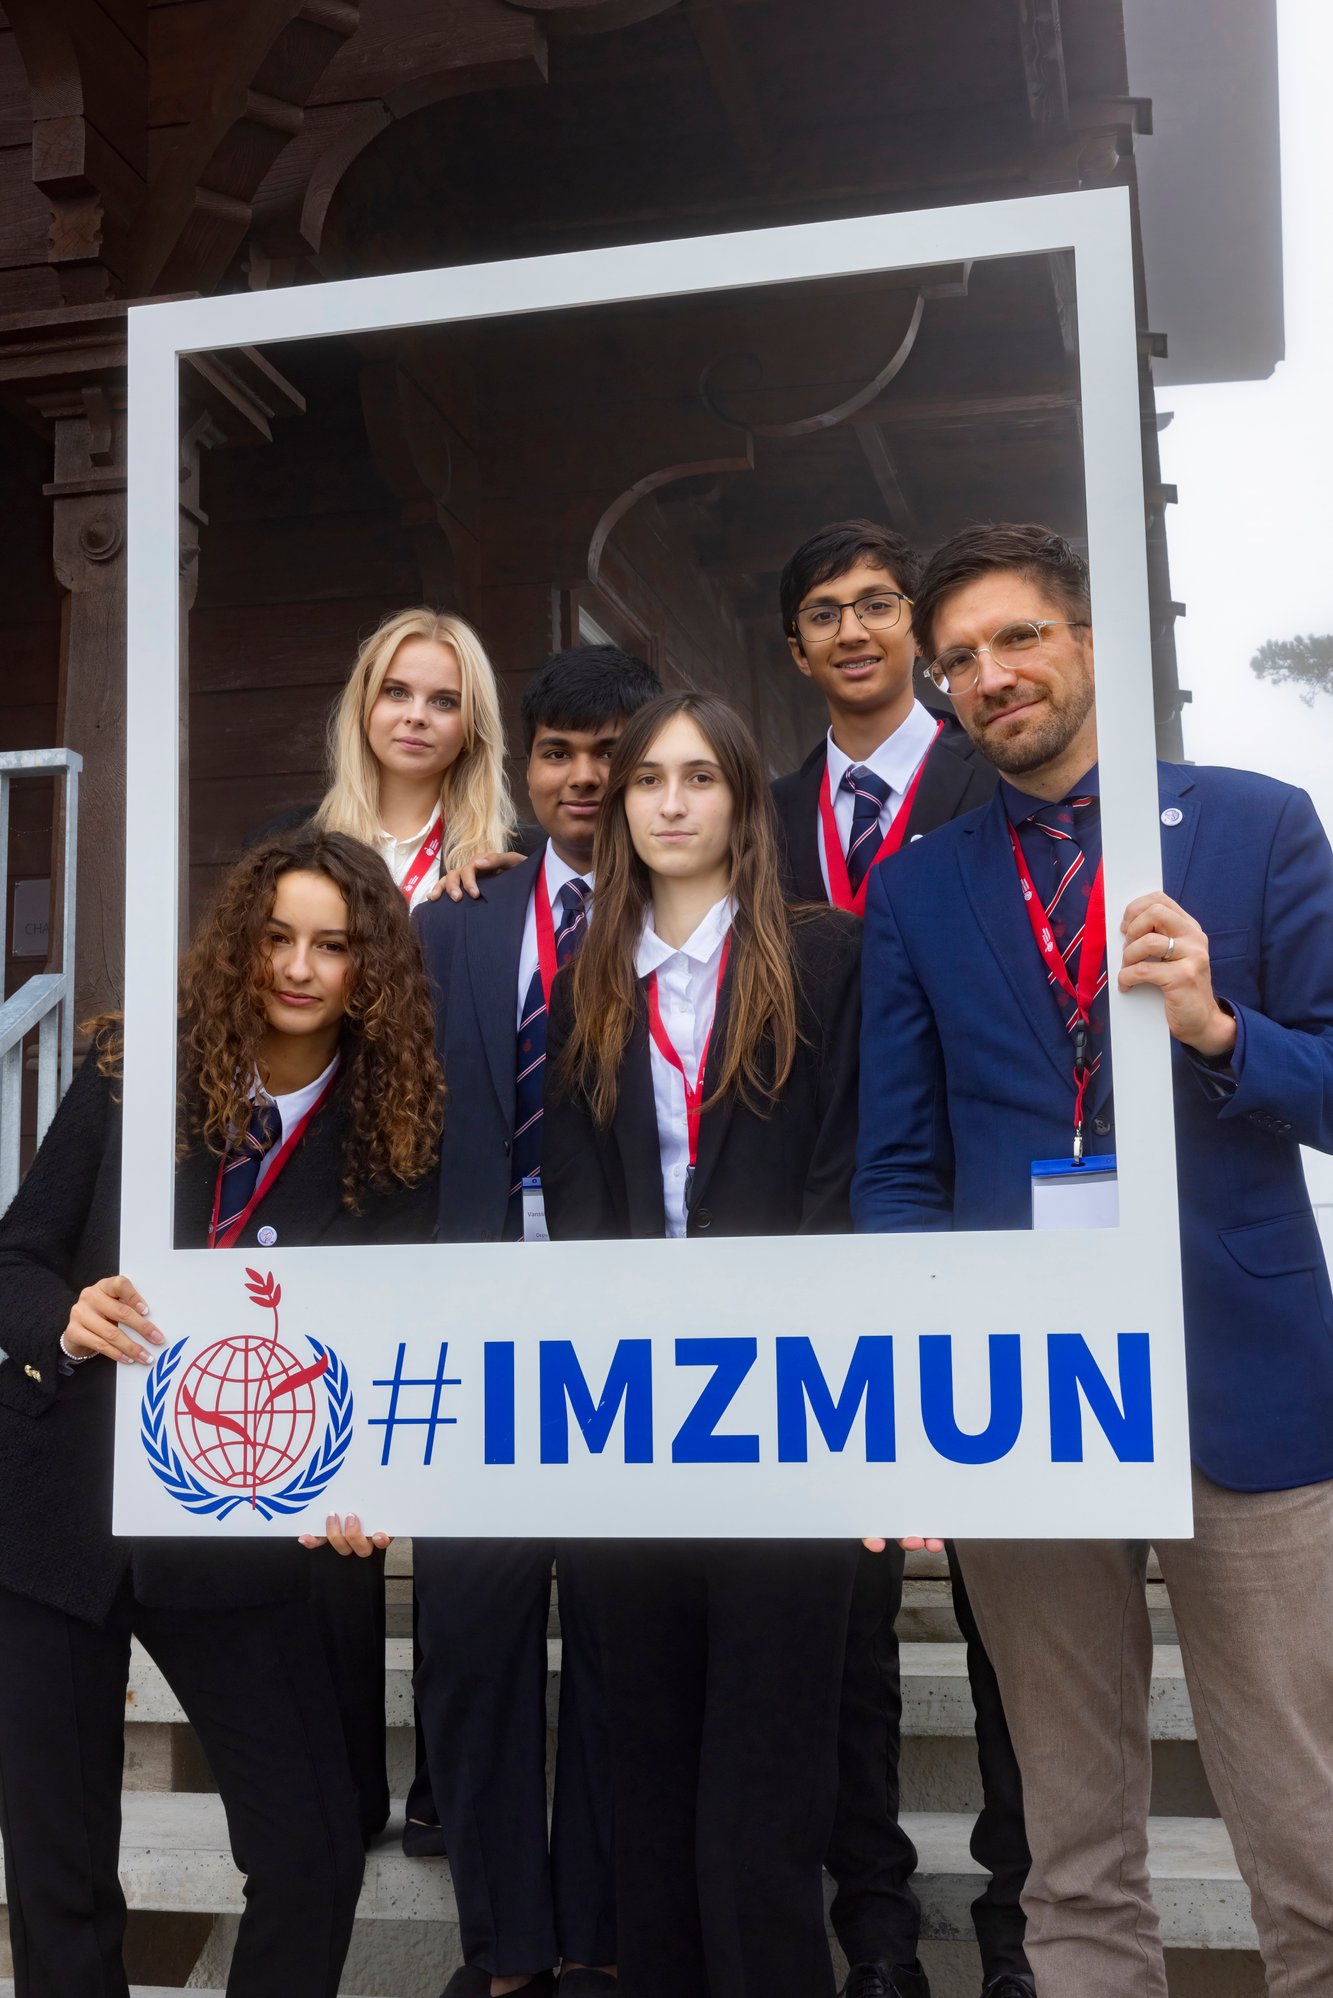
{"x": 472, "y": 951}
{"x": 965, "y": 1079}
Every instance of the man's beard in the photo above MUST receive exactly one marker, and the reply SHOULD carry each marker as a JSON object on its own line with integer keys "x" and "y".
{"x": 1036, "y": 744}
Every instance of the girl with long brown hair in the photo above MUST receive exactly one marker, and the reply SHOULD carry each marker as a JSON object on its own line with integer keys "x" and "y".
{"x": 416, "y": 750}
{"x": 309, "y": 1114}
{"x": 702, "y": 1072}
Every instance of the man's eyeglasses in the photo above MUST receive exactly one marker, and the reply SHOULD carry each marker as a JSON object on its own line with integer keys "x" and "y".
{"x": 879, "y": 612}
{"x": 957, "y": 667}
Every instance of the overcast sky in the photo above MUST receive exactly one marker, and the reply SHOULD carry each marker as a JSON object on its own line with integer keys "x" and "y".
{"x": 1251, "y": 539}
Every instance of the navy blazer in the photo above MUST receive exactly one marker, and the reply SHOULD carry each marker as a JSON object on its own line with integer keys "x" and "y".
{"x": 956, "y": 779}
{"x": 965, "y": 1079}
{"x": 61, "y": 1233}
{"x": 472, "y": 950}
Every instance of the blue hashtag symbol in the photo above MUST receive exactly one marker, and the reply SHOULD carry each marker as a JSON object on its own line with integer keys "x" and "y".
{"x": 430, "y": 1423}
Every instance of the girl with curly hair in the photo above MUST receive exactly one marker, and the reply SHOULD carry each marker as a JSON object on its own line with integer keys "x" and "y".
{"x": 701, "y": 1081}
{"x": 309, "y": 1114}
{"x": 416, "y": 751}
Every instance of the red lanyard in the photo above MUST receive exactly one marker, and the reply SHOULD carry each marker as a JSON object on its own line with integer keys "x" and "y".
{"x": 694, "y": 1092}
{"x": 839, "y": 881}
{"x": 1091, "y": 969}
{"x": 546, "y": 958}
{"x": 425, "y": 860}
{"x": 264, "y": 1185}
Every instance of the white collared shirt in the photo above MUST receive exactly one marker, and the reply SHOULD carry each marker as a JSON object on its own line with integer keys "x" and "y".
{"x": 896, "y": 761}
{"x": 558, "y": 872}
{"x": 291, "y": 1108}
{"x": 400, "y": 853}
{"x": 687, "y": 996}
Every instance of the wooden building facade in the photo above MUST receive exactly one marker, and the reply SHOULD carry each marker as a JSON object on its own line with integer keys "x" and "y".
{"x": 641, "y": 472}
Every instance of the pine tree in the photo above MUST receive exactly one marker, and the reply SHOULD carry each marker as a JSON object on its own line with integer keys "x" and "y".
{"x": 1305, "y": 662}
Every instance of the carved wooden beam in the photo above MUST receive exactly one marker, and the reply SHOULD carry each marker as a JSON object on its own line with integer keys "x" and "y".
{"x": 850, "y": 405}
{"x": 591, "y": 17}
{"x": 1043, "y": 52}
{"x": 240, "y": 103}
{"x": 88, "y": 79}
{"x": 403, "y": 57}
{"x": 728, "y": 72}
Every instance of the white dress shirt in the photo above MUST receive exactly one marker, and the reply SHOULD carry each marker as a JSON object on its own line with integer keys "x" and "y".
{"x": 291, "y": 1108}
{"x": 558, "y": 872}
{"x": 687, "y": 981}
{"x": 400, "y": 853}
{"x": 896, "y": 761}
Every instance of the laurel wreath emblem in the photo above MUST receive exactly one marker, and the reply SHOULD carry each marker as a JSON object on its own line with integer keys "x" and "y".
{"x": 295, "y": 1496}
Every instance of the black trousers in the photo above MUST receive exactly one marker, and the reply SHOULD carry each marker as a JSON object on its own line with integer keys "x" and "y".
{"x": 256, "y": 1687}
{"x": 526, "y": 1898}
{"x": 347, "y": 1599}
{"x": 723, "y": 1663}
{"x": 875, "y": 1913}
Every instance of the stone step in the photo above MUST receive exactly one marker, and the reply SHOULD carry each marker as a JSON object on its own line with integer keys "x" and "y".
{"x": 175, "y": 1857}
{"x": 136, "y": 1990}
{"x": 927, "y": 1615}
{"x": 936, "y": 1697}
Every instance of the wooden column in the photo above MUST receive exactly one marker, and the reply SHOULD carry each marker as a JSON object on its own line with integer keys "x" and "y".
{"x": 88, "y": 549}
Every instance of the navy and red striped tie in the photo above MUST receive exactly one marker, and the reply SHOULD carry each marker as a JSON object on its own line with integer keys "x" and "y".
{"x": 240, "y": 1169}
{"x": 870, "y": 794}
{"x": 1062, "y": 844}
{"x": 571, "y": 919}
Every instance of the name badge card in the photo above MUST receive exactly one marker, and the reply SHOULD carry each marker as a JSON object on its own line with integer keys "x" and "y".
{"x": 534, "y": 1210}
{"x": 1070, "y": 1194}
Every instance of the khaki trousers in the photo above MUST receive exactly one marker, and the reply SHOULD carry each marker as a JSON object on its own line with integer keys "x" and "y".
{"x": 1066, "y": 1626}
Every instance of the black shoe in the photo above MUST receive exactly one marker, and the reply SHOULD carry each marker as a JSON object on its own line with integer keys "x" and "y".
{"x": 878, "y": 1979}
{"x": 586, "y": 1984}
{"x": 422, "y": 1841}
{"x": 469, "y": 1982}
{"x": 1010, "y": 1985}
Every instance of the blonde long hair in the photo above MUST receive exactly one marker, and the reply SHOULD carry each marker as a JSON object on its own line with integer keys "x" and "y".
{"x": 474, "y": 795}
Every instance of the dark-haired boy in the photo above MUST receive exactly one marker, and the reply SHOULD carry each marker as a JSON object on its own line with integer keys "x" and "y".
{"x": 888, "y": 770}
{"x": 846, "y": 600}
{"x": 524, "y": 1902}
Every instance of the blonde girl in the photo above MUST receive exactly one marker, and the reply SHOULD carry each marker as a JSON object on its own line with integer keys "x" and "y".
{"x": 416, "y": 751}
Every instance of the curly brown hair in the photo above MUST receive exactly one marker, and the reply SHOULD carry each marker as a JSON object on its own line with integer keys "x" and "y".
{"x": 389, "y": 1084}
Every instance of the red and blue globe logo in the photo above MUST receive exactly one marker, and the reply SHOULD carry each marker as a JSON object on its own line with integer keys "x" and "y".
{"x": 238, "y": 1424}
{"x": 245, "y": 1412}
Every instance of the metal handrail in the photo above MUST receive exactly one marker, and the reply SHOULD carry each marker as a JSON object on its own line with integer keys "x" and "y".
{"x": 45, "y": 1001}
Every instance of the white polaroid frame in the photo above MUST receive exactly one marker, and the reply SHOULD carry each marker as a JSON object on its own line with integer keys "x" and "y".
{"x": 1099, "y": 1283}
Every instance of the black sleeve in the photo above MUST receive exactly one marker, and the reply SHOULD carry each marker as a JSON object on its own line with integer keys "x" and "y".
{"x": 832, "y": 984}
{"x": 580, "y": 1205}
{"x": 41, "y": 1233}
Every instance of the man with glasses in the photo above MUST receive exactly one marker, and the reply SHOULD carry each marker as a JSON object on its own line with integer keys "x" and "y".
{"x": 887, "y": 772}
{"x": 984, "y": 1047}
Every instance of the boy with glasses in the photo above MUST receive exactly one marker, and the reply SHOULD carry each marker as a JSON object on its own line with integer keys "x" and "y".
{"x": 888, "y": 771}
